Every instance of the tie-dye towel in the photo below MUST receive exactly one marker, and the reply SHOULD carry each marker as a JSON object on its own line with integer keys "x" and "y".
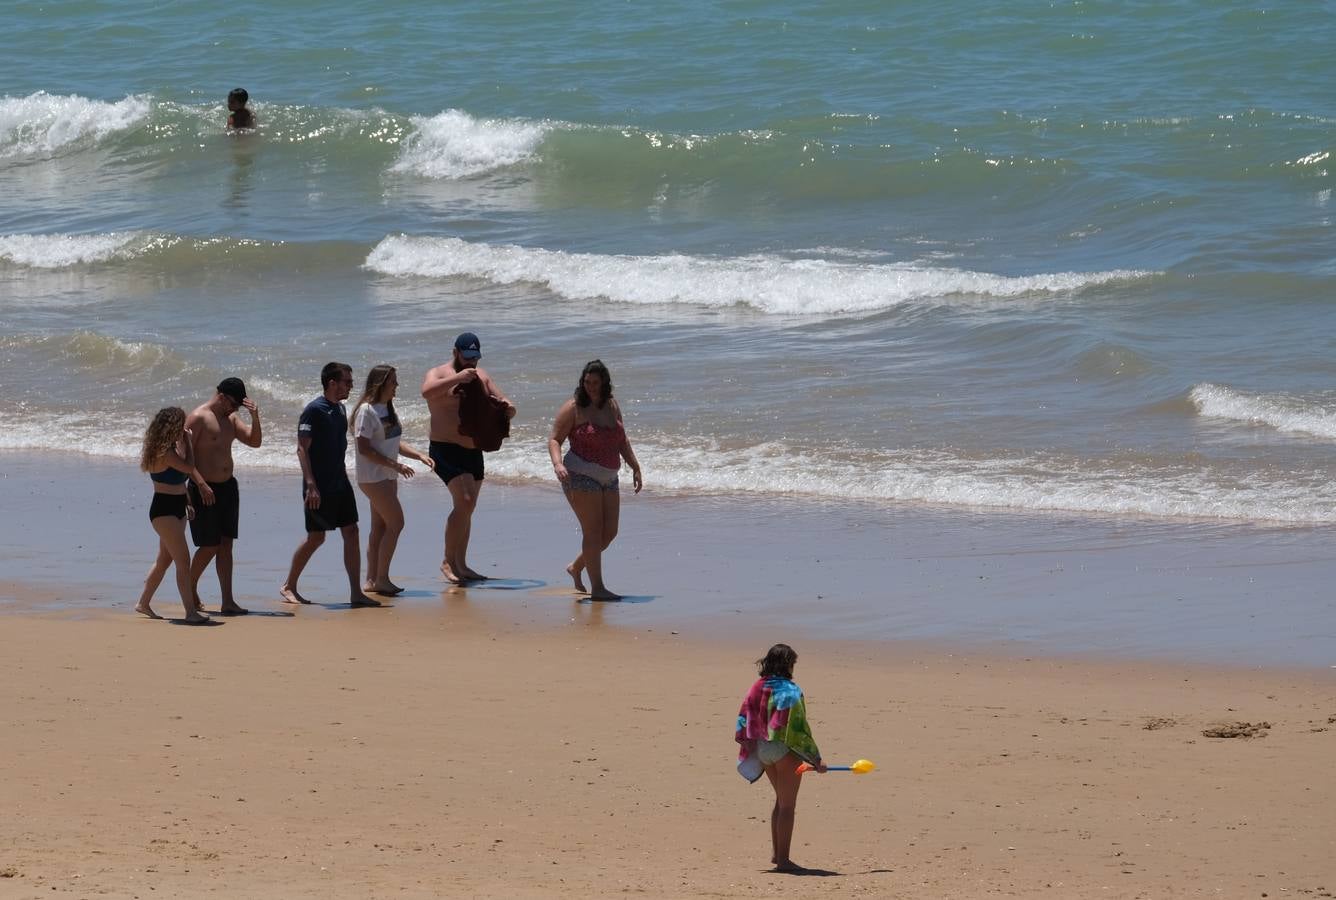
{"x": 773, "y": 711}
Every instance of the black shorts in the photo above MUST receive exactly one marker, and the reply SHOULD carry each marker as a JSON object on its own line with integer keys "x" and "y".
{"x": 338, "y": 509}
{"x": 173, "y": 505}
{"x": 452, "y": 459}
{"x": 213, "y": 523}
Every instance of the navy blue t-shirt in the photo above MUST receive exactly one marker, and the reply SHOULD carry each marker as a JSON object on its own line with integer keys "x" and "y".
{"x": 326, "y": 424}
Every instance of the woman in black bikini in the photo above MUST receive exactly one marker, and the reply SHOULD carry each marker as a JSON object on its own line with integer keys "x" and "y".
{"x": 169, "y": 462}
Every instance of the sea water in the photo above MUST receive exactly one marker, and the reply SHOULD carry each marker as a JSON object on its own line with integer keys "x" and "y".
{"x": 1067, "y": 256}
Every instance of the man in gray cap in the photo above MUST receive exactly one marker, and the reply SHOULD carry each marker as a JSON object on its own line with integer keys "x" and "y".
{"x": 457, "y": 456}
{"x": 213, "y": 426}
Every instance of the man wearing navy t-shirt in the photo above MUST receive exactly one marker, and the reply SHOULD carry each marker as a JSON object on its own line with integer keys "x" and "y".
{"x": 327, "y": 495}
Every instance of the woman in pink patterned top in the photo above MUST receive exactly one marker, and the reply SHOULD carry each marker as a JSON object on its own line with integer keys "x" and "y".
{"x": 592, "y": 421}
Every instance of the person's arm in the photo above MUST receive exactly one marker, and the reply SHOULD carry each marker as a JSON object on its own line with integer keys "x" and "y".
{"x": 561, "y": 429}
{"x": 627, "y": 452}
{"x": 249, "y": 433}
{"x": 437, "y": 384}
{"x": 365, "y": 448}
{"x": 192, "y": 432}
{"x": 411, "y": 453}
{"x": 495, "y": 391}
{"x": 183, "y": 460}
{"x": 308, "y": 477}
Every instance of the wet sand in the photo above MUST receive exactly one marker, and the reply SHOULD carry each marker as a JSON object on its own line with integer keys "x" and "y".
{"x": 1204, "y": 592}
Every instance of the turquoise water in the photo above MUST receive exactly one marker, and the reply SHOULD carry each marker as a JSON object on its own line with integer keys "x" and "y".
{"x": 1059, "y": 257}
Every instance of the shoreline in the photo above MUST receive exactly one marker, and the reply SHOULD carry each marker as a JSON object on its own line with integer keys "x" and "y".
{"x": 1015, "y": 585}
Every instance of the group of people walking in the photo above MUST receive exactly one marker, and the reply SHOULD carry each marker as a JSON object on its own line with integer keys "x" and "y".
{"x": 188, "y": 458}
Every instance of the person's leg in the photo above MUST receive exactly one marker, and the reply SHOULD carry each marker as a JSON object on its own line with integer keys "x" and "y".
{"x": 223, "y": 566}
{"x": 464, "y": 497}
{"x": 172, "y": 531}
{"x": 154, "y": 578}
{"x": 786, "y": 780}
{"x": 373, "y": 536}
{"x": 203, "y": 556}
{"x": 387, "y": 516}
{"x": 589, "y": 507}
{"x": 300, "y": 558}
{"x": 576, "y": 568}
{"x": 352, "y": 564}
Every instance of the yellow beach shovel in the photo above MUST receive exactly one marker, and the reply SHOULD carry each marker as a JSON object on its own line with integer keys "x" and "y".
{"x": 860, "y": 767}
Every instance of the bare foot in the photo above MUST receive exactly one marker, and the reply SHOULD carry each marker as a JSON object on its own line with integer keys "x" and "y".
{"x": 449, "y": 574}
{"x": 232, "y": 609}
{"x": 194, "y": 618}
{"x": 362, "y": 600}
{"x": 144, "y": 610}
{"x": 387, "y": 587}
{"x": 470, "y": 575}
{"x": 603, "y": 594}
{"x": 290, "y": 595}
{"x": 788, "y": 865}
{"x": 577, "y": 575}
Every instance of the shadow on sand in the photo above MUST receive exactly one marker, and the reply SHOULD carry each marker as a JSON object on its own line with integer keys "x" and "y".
{"x": 503, "y": 584}
{"x": 626, "y": 598}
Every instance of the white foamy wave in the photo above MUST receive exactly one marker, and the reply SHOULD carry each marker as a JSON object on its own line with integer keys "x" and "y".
{"x": 939, "y": 479}
{"x": 454, "y": 144}
{"x": 43, "y": 125}
{"x": 1287, "y": 414}
{"x": 59, "y": 251}
{"x": 769, "y": 283}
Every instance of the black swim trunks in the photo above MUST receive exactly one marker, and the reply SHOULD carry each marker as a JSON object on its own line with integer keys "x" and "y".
{"x": 213, "y": 523}
{"x": 451, "y": 459}
{"x": 338, "y": 509}
{"x": 173, "y": 505}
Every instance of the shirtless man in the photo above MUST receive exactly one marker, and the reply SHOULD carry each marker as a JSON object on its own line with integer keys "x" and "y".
{"x": 458, "y": 459}
{"x": 213, "y": 427}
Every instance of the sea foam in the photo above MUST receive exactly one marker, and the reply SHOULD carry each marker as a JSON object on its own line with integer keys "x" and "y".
{"x": 58, "y": 251}
{"x": 771, "y": 284}
{"x": 1283, "y": 413}
{"x": 454, "y": 144}
{"x": 43, "y": 125}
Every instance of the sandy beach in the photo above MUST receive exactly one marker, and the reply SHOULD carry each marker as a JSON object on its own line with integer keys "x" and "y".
{"x": 376, "y": 754}
{"x": 505, "y": 740}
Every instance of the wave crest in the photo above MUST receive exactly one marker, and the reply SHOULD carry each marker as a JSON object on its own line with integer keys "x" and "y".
{"x": 454, "y": 144}
{"x": 770, "y": 284}
{"x": 1288, "y": 414}
{"x": 60, "y": 251}
{"x": 43, "y": 125}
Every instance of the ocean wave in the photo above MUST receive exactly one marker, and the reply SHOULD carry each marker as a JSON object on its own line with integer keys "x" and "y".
{"x": 770, "y": 284}
{"x": 455, "y": 144}
{"x": 1288, "y": 414}
{"x": 1021, "y": 483}
{"x": 88, "y": 351}
{"x": 60, "y": 251}
{"x": 43, "y": 125}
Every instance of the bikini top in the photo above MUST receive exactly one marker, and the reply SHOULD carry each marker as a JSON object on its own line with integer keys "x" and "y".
{"x": 169, "y": 476}
{"x": 598, "y": 444}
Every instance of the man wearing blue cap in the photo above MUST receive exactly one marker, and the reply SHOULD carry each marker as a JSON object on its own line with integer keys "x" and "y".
{"x": 458, "y": 458}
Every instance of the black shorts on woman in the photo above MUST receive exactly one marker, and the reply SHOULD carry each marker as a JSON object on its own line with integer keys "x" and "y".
{"x": 167, "y": 505}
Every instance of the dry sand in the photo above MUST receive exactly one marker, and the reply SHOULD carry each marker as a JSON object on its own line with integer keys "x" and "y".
{"x": 392, "y": 753}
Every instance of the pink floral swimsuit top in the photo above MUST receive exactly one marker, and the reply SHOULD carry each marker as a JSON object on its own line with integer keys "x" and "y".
{"x": 599, "y": 445}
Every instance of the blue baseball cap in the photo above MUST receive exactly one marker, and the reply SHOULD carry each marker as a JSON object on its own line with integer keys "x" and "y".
{"x": 468, "y": 346}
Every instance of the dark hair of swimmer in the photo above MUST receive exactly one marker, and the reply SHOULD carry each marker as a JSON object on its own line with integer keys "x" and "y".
{"x": 594, "y": 367}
